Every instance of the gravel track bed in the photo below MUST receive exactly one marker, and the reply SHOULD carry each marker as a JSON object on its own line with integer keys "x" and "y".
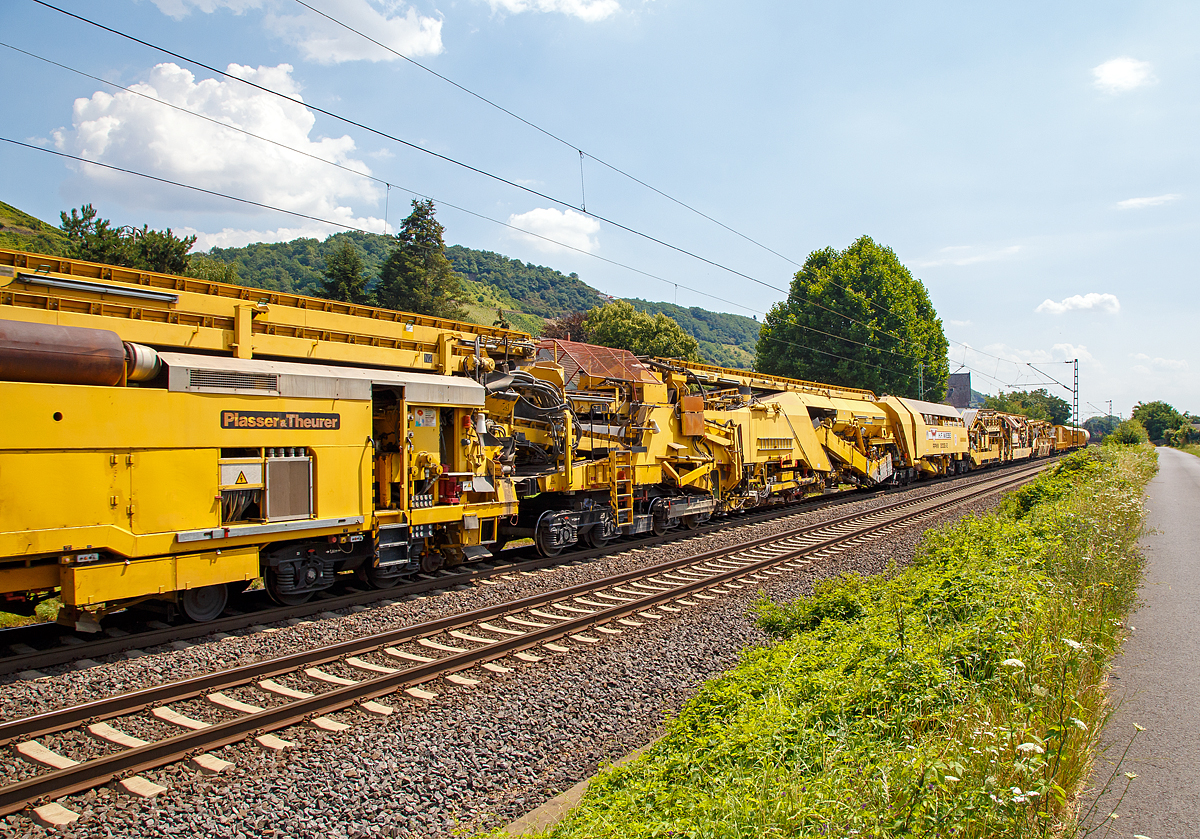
{"x": 68, "y": 686}
{"x": 474, "y": 757}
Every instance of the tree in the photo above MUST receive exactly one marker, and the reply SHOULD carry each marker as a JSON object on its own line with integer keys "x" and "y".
{"x": 620, "y": 325}
{"x": 417, "y": 277}
{"x": 1035, "y": 404}
{"x": 857, "y": 318}
{"x": 1156, "y": 417}
{"x": 567, "y": 328}
{"x": 344, "y": 277}
{"x": 96, "y": 240}
{"x": 1101, "y": 427}
{"x": 204, "y": 267}
{"x": 1127, "y": 433}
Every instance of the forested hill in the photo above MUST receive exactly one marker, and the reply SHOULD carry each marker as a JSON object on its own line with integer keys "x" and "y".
{"x": 726, "y": 340}
{"x": 528, "y": 294}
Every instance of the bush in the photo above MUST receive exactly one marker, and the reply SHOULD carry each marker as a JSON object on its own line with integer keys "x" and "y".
{"x": 1130, "y": 432}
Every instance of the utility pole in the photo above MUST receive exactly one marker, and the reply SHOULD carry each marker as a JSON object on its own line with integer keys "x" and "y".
{"x": 1076, "y": 393}
{"x": 921, "y": 380}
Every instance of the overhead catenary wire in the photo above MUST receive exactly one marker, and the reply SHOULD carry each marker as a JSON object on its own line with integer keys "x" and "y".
{"x": 320, "y": 220}
{"x": 453, "y": 161}
{"x": 388, "y": 186}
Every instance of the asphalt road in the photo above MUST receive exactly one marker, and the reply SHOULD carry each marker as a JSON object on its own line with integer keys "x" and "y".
{"x": 1157, "y": 677}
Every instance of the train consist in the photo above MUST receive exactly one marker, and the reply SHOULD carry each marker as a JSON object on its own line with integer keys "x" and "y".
{"x": 170, "y": 440}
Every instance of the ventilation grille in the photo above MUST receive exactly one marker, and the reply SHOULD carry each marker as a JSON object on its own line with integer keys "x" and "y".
{"x": 233, "y": 381}
{"x": 774, "y": 443}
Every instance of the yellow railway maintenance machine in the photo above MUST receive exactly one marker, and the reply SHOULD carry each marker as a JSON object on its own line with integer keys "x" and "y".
{"x": 176, "y": 466}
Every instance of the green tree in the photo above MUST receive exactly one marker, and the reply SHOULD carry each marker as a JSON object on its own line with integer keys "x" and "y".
{"x": 96, "y": 240}
{"x": 1127, "y": 433}
{"x": 417, "y": 277}
{"x": 857, "y": 318}
{"x": 620, "y": 325}
{"x": 1156, "y": 417}
{"x": 1101, "y": 427}
{"x": 344, "y": 277}
{"x": 1035, "y": 404}
{"x": 206, "y": 268}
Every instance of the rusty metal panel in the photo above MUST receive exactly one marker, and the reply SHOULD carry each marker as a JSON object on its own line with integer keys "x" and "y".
{"x": 597, "y": 362}
{"x": 693, "y": 404}
{"x": 693, "y": 424}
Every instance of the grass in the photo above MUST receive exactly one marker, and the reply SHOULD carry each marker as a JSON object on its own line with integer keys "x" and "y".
{"x": 960, "y": 697}
{"x": 44, "y": 612}
{"x": 1192, "y": 448}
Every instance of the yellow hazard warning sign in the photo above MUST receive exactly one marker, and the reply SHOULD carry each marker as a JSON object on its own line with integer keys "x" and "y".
{"x": 241, "y": 478}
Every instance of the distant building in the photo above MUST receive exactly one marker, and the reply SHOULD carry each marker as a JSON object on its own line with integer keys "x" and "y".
{"x": 958, "y": 390}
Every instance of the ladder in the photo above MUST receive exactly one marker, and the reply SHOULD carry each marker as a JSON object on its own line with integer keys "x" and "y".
{"x": 620, "y": 468}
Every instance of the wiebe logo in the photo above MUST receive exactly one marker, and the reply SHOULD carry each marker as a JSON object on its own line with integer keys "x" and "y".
{"x": 280, "y": 419}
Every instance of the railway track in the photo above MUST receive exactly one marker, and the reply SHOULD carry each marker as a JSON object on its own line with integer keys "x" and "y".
{"x": 49, "y": 645}
{"x": 305, "y": 687}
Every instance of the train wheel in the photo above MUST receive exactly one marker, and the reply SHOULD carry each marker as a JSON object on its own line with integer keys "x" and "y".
{"x": 432, "y": 561}
{"x": 660, "y": 526}
{"x": 374, "y": 577}
{"x": 284, "y": 598}
{"x": 595, "y": 537}
{"x": 690, "y": 522}
{"x": 205, "y": 603}
{"x": 544, "y": 549}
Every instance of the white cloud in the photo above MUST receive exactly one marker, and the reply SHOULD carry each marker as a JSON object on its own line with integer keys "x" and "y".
{"x": 180, "y": 9}
{"x": 586, "y": 10}
{"x": 967, "y": 255}
{"x": 134, "y": 132}
{"x": 568, "y": 228}
{"x": 1154, "y": 201}
{"x": 1105, "y": 302}
{"x": 1057, "y": 353}
{"x": 1123, "y": 74}
{"x": 321, "y": 40}
{"x": 327, "y": 43}
{"x": 1162, "y": 365}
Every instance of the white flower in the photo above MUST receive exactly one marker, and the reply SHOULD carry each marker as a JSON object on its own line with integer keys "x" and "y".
{"x": 1031, "y": 748}
{"x": 1013, "y": 662}
{"x": 1075, "y": 645}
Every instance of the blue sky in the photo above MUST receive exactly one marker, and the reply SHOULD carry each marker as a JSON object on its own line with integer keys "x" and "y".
{"x": 1034, "y": 164}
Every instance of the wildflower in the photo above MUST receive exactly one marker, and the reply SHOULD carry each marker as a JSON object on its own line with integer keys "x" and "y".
{"x": 1013, "y": 662}
{"x": 1075, "y": 645}
{"x": 1031, "y": 748}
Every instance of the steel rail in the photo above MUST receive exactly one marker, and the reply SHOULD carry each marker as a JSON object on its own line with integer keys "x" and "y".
{"x": 89, "y": 774}
{"x": 275, "y": 614}
{"x": 133, "y": 701}
{"x": 509, "y": 564}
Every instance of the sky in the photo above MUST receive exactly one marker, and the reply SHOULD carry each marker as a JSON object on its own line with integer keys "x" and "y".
{"x": 1033, "y": 164}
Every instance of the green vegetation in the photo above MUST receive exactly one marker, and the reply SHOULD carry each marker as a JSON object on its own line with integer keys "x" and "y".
{"x": 529, "y": 296}
{"x": 857, "y": 318}
{"x": 344, "y": 277}
{"x": 1164, "y": 424}
{"x": 960, "y": 697}
{"x": 1035, "y": 404}
{"x": 1128, "y": 433}
{"x": 417, "y": 277}
{"x": 298, "y": 266}
{"x": 96, "y": 240}
{"x": 21, "y": 231}
{"x": 1101, "y": 427}
{"x": 541, "y": 291}
{"x": 726, "y": 340}
{"x": 620, "y": 325}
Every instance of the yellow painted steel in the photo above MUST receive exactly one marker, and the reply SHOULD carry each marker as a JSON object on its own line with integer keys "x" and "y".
{"x": 88, "y": 585}
{"x": 245, "y": 322}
